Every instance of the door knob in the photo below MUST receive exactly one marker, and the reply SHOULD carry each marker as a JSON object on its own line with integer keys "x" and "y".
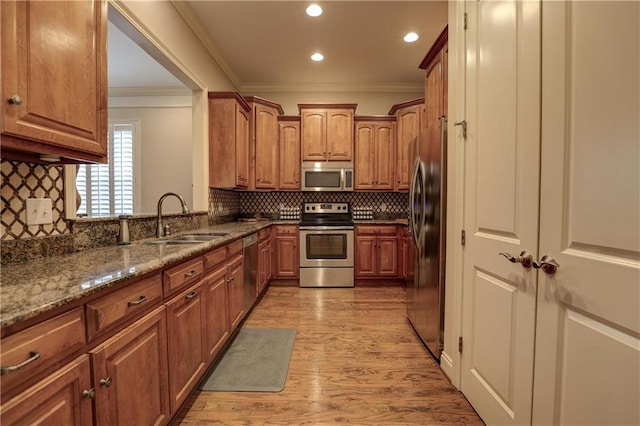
{"x": 548, "y": 265}
{"x": 525, "y": 259}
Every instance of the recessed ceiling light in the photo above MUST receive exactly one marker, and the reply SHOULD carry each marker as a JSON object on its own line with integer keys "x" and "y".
{"x": 317, "y": 57}
{"x": 411, "y": 37}
{"x": 314, "y": 10}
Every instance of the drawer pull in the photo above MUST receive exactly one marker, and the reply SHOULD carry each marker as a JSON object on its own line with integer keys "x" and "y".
{"x": 33, "y": 355}
{"x": 139, "y": 301}
{"x": 106, "y": 382}
{"x": 190, "y": 274}
{"x": 89, "y": 394}
{"x": 191, "y": 295}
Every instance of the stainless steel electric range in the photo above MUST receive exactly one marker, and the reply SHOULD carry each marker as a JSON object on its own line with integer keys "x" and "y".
{"x": 326, "y": 245}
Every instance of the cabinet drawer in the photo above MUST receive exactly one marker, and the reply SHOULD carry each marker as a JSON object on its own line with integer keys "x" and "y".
{"x": 375, "y": 230}
{"x": 235, "y": 248}
{"x": 183, "y": 274}
{"x": 25, "y": 354}
{"x": 263, "y": 234}
{"x": 123, "y": 304}
{"x": 286, "y": 229}
{"x": 214, "y": 258}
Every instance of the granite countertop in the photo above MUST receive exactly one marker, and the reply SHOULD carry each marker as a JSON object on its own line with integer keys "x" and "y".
{"x": 32, "y": 288}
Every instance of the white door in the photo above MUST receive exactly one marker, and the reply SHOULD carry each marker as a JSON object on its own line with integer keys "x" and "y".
{"x": 501, "y": 207}
{"x": 587, "y": 366}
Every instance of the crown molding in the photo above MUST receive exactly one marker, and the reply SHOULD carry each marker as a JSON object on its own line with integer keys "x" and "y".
{"x": 312, "y": 87}
{"x": 129, "y": 92}
{"x": 193, "y": 22}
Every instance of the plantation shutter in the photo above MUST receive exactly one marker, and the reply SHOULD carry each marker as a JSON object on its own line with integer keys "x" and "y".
{"x": 107, "y": 189}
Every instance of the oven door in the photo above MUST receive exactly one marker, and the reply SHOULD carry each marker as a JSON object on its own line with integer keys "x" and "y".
{"x": 326, "y": 247}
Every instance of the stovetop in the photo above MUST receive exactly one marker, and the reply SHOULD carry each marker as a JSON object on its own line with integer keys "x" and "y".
{"x": 326, "y": 214}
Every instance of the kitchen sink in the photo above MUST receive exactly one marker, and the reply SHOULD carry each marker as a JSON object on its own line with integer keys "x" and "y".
{"x": 173, "y": 242}
{"x": 200, "y": 237}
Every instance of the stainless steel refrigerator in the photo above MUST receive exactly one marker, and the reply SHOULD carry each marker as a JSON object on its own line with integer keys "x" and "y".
{"x": 427, "y": 214}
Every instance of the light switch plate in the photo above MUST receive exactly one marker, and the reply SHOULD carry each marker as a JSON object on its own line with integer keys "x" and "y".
{"x": 39, "y": 211}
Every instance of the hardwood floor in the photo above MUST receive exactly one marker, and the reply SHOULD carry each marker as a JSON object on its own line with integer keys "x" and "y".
{"x": 355, "y": 360}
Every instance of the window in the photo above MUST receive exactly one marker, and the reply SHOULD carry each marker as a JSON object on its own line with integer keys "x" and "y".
{"x": 108, "y": 189}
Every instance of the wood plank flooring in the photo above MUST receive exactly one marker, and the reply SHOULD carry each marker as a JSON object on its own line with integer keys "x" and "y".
{"x": 355, "y": 360}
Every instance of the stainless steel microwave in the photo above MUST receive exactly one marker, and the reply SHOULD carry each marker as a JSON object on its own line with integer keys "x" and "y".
{"x": 327, "y": 176}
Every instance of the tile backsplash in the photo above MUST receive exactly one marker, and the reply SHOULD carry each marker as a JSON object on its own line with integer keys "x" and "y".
{"x": 24, "y": 180}
{"x": 392, "y": 204}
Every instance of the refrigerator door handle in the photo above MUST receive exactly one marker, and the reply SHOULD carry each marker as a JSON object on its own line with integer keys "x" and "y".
{"x": 415, "y": 206}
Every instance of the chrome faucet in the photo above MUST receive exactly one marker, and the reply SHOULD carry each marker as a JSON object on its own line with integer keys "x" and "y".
{"x": 185, "y": 210}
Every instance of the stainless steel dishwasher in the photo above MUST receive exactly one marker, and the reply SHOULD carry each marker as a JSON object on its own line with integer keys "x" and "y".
{"x": 250, "y": 284}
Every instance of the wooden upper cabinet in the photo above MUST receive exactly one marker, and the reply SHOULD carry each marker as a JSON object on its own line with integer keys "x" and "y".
{"x": 435, "y": 95}
{"x": 374, "y": 153}
{"x": 408, "y": 116}
{"x": 289, "y": 153}
{"x": 228, "y": 140}
{"x": 327, "y": 132}
{"x": 54, "y": 80}
{"x": 263, "y": 143}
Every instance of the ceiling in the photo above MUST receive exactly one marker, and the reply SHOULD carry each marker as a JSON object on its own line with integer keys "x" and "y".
{"x": 265, "y": 45}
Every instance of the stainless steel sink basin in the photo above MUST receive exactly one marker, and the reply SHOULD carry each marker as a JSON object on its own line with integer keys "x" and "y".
{"x": 200, "y": 237}
{"x": 173, "y": 242}
{"x": 196, "y": 238}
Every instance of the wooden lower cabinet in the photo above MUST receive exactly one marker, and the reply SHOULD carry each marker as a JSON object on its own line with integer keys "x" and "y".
{"x": 264, "y": 264}
{"x": 287, "y": 256}
{"x": 185, "y": 343}
{"x": 130, "y": 374}
{"x": 376, "y": 252}
{"x": 216, "y": 318}
{"x": 56, "y": 400}
{"x": 235, "y": 290}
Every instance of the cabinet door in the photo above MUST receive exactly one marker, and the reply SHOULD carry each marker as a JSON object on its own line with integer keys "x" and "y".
{"x": 408, "y": 127}
{"x": 56, "y": 400}
{"x": 365, "y": 251}
{"x": 242, "y": 147}
{"x": 387, "y": 256}
{"x": 266, "y": 146}
{"x": 339, "y": 137}
{"x": 365, "y": 161}
{"x": 314, "y": 138}
{"x": 289, "y": 177}
{"x": 216, "y": 316}
{"x": 235, "y": 292}
{"x": 384, "y": 155}
{"x": 287, "y": 257}
{"x": 133, "y": 367}
{"x": 54, "y": 61}
{"x": 185, "y": 343}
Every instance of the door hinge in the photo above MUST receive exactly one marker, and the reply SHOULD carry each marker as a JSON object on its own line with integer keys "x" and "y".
{"x": 462, "y": 123}
{"x": 465, "y": 21}
{"x": 460, "y": 344}
{"x": 463, "y": 238}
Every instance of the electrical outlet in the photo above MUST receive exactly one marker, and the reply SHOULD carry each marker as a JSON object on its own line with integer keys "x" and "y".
{"x": 39, "y": 211}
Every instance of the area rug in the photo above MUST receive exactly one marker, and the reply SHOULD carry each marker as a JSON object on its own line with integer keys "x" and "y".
{"x": 257, "y": 361}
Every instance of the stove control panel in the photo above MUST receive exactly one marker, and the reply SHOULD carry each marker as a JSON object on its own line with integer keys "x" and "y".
{"x": 311, "y": 208}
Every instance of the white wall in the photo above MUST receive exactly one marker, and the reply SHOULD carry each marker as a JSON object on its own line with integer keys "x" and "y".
{"x": 368, "y": 103}
{"x": 165, "y": 153}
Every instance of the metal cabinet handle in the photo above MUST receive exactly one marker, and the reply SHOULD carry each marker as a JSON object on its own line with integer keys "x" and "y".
{"x": 462, "y": 123}
{"x": 525, "y": 259}
{"x": 33, "y": 355}
{"x": 89, "y": 394}
{"x": 190, "y": 273}
{"x": 15, "y": 100}
{"x": 548, "y": 265}
{"x": 191, "y": 295}
{"x": 139, "y": 301}
{"x": 106, "y": 382}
